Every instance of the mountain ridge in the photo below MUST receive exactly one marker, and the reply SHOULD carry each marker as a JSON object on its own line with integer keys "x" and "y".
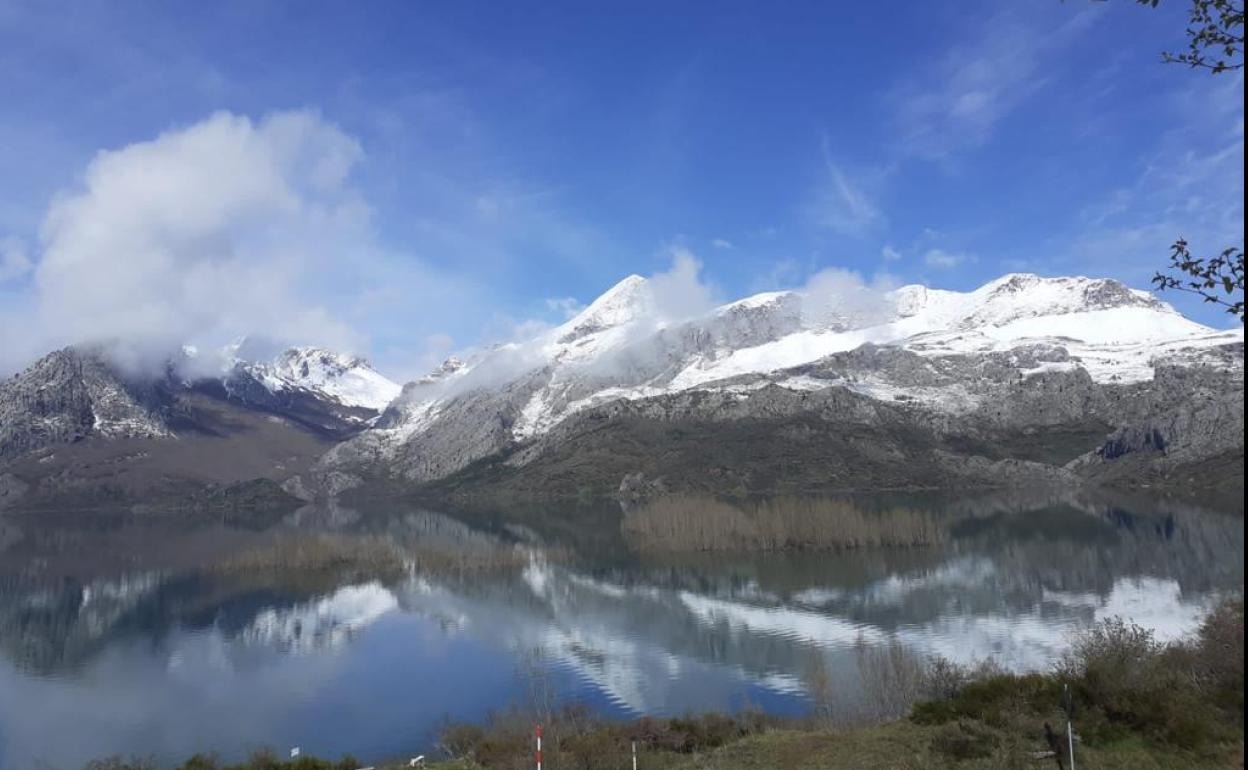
{"x": 942, "y": 356}
{"x": 1025, "y": 377}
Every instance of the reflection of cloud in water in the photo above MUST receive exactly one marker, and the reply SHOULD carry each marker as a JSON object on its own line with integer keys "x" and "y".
{"x": 963, "y": 572}
{"x": 795, "y": 624}
{"x": 1148, "y": 602}
{"x": 652, "y": 649}
{"x": 324, "y": 623}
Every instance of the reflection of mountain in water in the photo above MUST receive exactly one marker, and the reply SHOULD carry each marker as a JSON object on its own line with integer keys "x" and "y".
{"x": 671, "y": 632}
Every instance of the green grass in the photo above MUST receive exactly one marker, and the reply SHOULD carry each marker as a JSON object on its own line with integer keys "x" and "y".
{"x": 899, "y": 745}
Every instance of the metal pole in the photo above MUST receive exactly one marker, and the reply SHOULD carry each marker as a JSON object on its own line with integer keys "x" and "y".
{"x": 634, "y": 755}
{"x": 1070, "y": 732}
{"x": 538, "y": 732}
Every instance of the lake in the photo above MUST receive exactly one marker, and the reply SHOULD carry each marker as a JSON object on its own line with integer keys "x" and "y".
{"x": 362, "y": 630}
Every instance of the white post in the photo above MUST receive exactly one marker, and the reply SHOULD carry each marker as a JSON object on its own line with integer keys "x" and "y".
{"x": 634, "y": 755}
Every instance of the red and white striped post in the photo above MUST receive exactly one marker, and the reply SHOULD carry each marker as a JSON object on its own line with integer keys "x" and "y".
{"x": 538, "y": 734}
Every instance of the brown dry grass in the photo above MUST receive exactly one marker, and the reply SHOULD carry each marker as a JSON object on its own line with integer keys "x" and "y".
{"x": 702, "y": 524}
{"x": 321, "y": 553}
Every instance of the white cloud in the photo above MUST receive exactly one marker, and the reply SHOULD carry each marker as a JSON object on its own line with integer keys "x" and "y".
{"x": 975, "y": 84}
{"x": 14, "y": 261}
{"x": 843, "y": 207}
{"x": 1190, "y": 186}
{"x": 835, "y": 295}
{"x": 721, "y": 243}
{"x": 784, "y": 273}
{"x": 203, "y": 234}
{"x": 224, "y": 228}
{"x": 680, "y": 292}
{"x": 946, "y": 260}
{"x": 842, "y": 204}
{"x": 564, "y": 307}
{"x": 889, "y": 253}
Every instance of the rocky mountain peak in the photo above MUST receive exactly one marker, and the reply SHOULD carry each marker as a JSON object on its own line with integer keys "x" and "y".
{"x": 627, "y": 301}
{"x": 344, "y": 378}
{"x": 73, "y": 393}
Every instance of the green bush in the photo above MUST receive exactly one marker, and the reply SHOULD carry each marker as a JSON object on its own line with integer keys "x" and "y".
{"x": 1130, "y": 682}
{"x": 1123, "y": 683}
{"x": 201, "y": 762}
{"x": 965, "y": 740}
{"x": 117, "y": 763}
{"x": 1220, "y": 656}
{"x": 994, "y": 700}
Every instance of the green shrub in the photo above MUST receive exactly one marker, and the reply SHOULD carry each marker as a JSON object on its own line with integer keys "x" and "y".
{"x": 117, "y": 763}
{"x": 460, "y": 739}
{"x": 995, "y": 700}
{"x": 201, "y": 762}
{"x": 1131, "y": 682}
{"x": 1220, "y": 656}
{"x": 1123, "y": 683}
{"x": 965, "y": 740}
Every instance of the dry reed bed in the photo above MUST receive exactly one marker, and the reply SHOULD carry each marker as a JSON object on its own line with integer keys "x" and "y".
{"x": 702, "y": 524}
{"x": 368, "y": 553}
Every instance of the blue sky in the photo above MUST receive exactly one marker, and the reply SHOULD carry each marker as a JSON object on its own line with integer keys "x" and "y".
{"x": 444, "y": 174}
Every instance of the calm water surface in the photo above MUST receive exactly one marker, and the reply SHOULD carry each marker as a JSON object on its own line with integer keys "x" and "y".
{"x": 151, "y": 635}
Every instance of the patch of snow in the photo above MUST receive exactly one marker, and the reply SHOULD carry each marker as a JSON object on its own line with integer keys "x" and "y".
{"x": 349, "y": 380}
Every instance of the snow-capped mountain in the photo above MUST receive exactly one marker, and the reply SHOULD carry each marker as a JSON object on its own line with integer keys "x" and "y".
{"x": 78, "y": 425}
{"x": 1024, "y": 378}
{"x": 950, "y": 355}
{"x": 346, "y": 379}
{"x": 336, "y": 393}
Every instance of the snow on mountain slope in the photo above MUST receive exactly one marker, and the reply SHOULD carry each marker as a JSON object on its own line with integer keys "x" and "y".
{"x": 620, "y": 347}
{"x": 346, "y": 379}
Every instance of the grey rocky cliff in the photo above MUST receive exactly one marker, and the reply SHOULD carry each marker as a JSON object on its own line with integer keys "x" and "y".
{"x": 72, "y": 394}
{"x": 1050, "y": 427}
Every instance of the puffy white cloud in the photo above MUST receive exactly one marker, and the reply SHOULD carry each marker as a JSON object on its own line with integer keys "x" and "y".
{"x": 225, "y": 228}
{"x": 680, "y": 291}
{"x": 205, "y": 233}
{"x": 834, "y": 296}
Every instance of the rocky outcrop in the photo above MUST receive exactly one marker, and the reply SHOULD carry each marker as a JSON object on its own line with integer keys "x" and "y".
{"x": 1188, "y": 425}
{"x": 75, "y": 393}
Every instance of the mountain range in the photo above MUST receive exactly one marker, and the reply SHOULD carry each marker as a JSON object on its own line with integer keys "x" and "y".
{"x": 1024, "y": 379}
